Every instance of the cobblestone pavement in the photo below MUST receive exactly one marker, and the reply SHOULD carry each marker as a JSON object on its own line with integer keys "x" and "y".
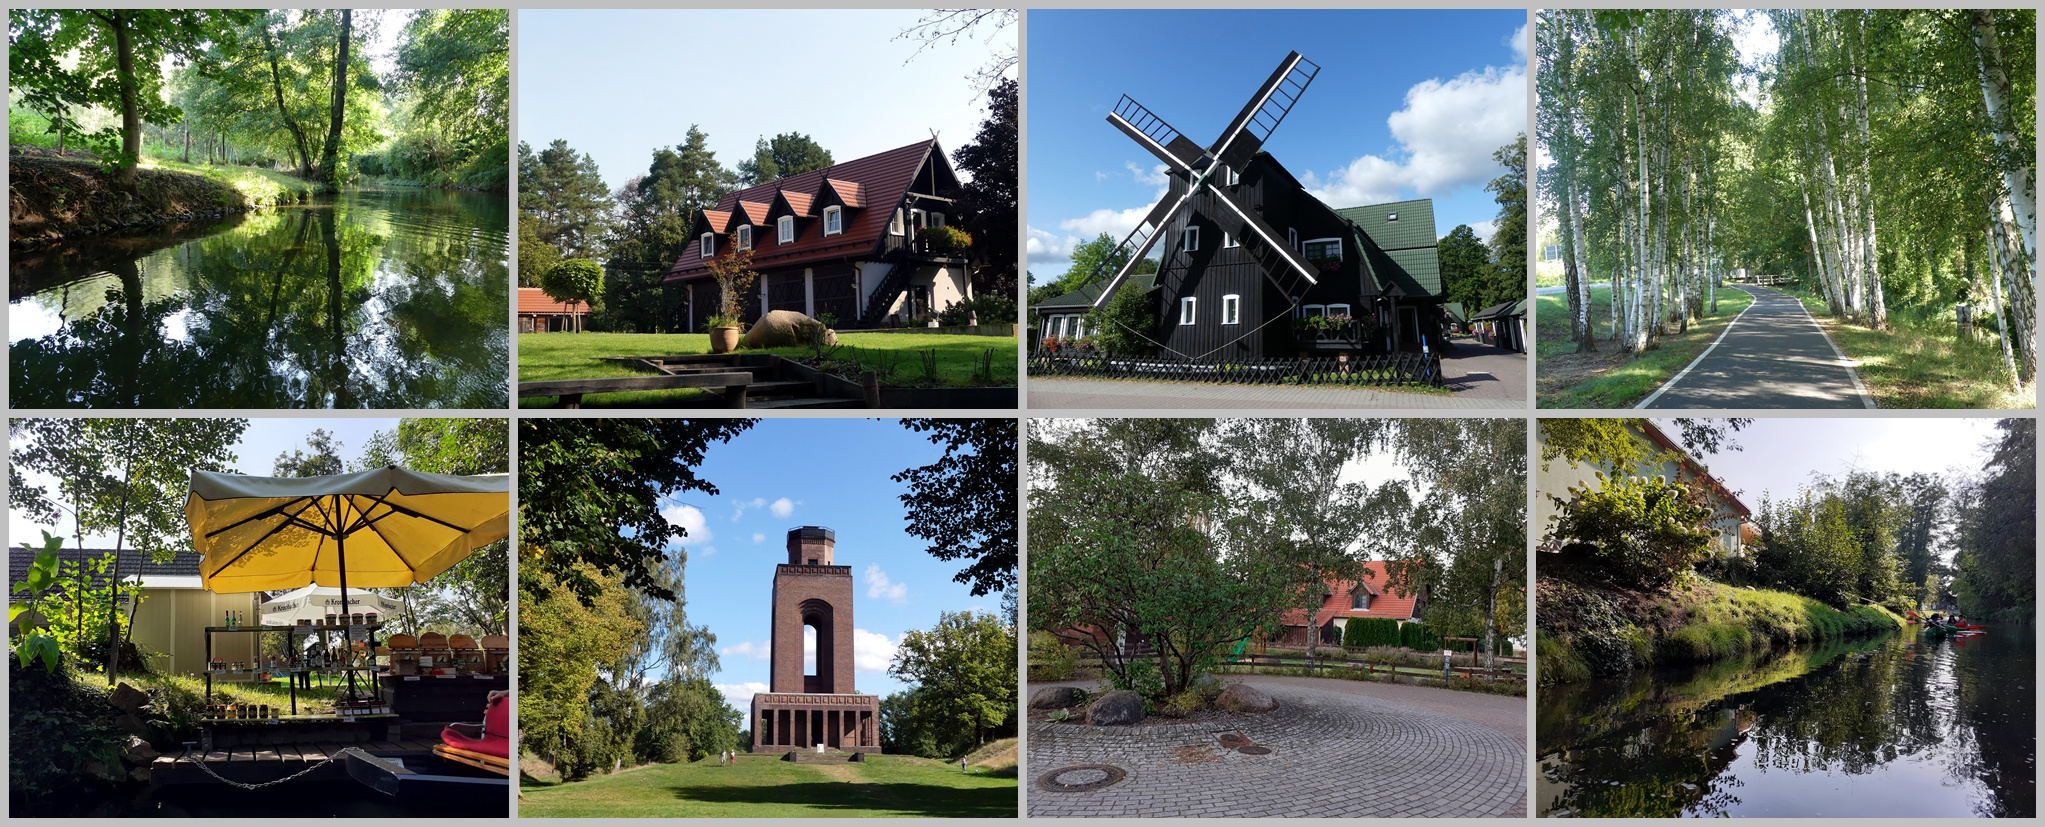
{"x": 1333, "y": 754}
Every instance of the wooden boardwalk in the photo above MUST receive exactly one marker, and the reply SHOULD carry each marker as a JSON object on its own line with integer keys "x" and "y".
{"x": 257, "y": 763}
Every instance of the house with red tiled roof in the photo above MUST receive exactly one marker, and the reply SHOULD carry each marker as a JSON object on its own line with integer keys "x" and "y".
{"x": 1370, "y": 597}
{"x": 1731, "y": 520}
{"x": 541, "y": 313}
{"x": 848, "y": 240}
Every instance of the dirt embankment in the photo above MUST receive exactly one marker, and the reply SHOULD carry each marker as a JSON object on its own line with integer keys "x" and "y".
{"x": 51, "y": 198}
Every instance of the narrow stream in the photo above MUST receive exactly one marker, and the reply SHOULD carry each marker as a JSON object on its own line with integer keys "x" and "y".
{"x": 1894, "y": 726}
{"x": 368, "y": 299}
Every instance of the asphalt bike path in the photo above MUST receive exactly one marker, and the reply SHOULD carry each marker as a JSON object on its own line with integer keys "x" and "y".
{"x": 1773, "y": 355}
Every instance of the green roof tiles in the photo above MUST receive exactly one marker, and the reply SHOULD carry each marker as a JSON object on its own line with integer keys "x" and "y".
{"x": 1403, "y": 234}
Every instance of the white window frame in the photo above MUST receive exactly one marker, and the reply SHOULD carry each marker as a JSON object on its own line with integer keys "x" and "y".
{"x": 916, "y": 219}
{"x": 1229, "y": 176}
{"x": 1188, "y": 310}
{"x": 933, "y": 219}
{"x": 895, "y": 224}
{"x": 1292, "y": 238}
{"x": 706, "y": 246}
{"x": 1391, "y": 217}
{"x": 1337, "y": 240}
{"x": 1228, "y": 241}
{"x": 1342, "y": 312}
{"x": 1189, "y": 239}
{"x": 1311, "y": 310}
{"x": 834, "y": 221}
{"x": 745, "y": 236}
{"x": 1231, "y": 309}
{"x": 784, "y": 229}
{"x": 1359, "y": 597}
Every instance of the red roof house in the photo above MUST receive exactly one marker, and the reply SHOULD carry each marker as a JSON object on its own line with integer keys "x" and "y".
{"x": 847, "y": 240}
{"x": 1370, "y": 597}
{"x": 541, "y": 313}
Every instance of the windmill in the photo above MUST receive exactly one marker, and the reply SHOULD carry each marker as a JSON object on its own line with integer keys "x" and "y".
{"x": 1201, "y": 167}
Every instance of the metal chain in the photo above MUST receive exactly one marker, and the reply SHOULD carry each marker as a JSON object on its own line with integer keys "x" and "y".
{"x": 216, "y": 776}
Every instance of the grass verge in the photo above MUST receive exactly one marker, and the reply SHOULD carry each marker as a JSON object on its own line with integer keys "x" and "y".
{"x": 1607, "y": 378}
{"x": 262, "y": 187}
{"x": 897, "y": 356}
{"x": 763, "y": 786}
{"x": 1922, "y": 362}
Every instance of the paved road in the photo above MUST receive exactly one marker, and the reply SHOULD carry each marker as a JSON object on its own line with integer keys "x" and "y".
{"x": 1333, "y": 753}
{"x": 1773, "y": 355}
{"x": 1483, "y": 377}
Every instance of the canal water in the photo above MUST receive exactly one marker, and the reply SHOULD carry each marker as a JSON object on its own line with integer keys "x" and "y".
{"x": 392, "y": 298}
{"x": 1894, "y": 726}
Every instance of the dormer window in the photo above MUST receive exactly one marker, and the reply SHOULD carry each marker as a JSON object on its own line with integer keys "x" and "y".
{"x": 895, "y": 224}
{"x": 784, "y": 230}
{"x": 707, "y": 247}
{"x": 745, "y": 236}
{"x": 834, "y": 221}
{"x": 1359, "y": 601}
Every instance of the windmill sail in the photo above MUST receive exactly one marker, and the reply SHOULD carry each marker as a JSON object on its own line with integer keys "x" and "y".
{"x": 1265, "y": 110}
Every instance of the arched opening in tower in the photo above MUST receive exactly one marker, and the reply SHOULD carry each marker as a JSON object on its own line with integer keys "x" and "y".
{"x": 820, "y": 647}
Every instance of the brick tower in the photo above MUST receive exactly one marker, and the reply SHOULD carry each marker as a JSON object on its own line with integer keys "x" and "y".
{"x": 799, "y": 711}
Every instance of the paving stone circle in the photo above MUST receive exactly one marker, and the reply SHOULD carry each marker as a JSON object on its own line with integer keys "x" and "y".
{"x": 1331, "y": 755}
{"x": 1082, "y": 778}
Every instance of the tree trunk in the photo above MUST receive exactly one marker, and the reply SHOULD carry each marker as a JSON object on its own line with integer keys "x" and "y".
{"x": 303, "y": 159}
{"x": 329, "y": 170}
{"x": 114, "y": 577}
{"x": 1491, "y": 614}
{"x": 131, "y": 116}
{"x": 2018, "y": 177}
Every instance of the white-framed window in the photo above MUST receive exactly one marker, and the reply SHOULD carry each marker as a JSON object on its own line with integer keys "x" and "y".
{"x": 1229, "y": 176}
{"x": 1231, "y": 309}
{"x": 1230, "y": 241}
{"x": 1189, "y": 239}
{"x": 1338, "y": 310}
{"x": 1292, "y": 238}
{"x": 1391, "y": 217}
{"x": 935, "y": 219}
{"x": 784, "y": 230}
{"x": 1319, "y": 248}
{"x": 895, "y": 224}
{"x": 707, "y": 245}
{"x": 1186, "y": 315}
{"x": 834, "y": 221}
{"x": 745, "y": 236}
{"x": 1312, "y": 310}
{"x": 1359, "y": 601}
{"x": 916, "y": 219}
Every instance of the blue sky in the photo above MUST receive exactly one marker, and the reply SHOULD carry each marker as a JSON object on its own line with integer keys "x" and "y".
{"x": 785, "y": 473}
{"x": 618, "y": 83}
{"x": 265, "y": 438}
{"x": 1407, "y": 104}
{"x": 1779, "y": 455}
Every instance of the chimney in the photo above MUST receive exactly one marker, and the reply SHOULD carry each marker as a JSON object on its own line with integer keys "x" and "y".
{"x": 811, "y": 546}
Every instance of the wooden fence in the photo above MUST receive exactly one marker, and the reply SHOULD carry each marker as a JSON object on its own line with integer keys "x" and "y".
{"x": 1385, "y": 369}
{"x": 1348, "y": 661}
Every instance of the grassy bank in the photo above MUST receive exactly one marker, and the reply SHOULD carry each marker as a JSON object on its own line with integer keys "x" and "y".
{"x": 262, "y": 187}
{"x": 52, "y": 197}
{"x": 1608, "y": 378}
{"x": 762, "y": 786}
{"x": 898, "y": 357}
{"x": 1586, "y": 631}
{"x": 1921, "y": 361}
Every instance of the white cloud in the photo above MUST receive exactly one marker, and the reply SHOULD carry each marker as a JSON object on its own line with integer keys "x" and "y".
{"x": 741, "y": 694}
{"x": 1484, "y": 229}
{"x": 690, "y": 519}
{"x": 871, "y": 651}
{"x": 747, "y": 649}
{"x": 878, "y": 585}
{"x": 782, "y": 507}
{"x": 738, "y": 508}
{"x": 1043, "y": 246}
{"x": 706, "y": 551}
{"x": 759, "y": 538}
{"x": 1518, "y": 41}
{"x": 1155, "y": 176}
{"x": 1116, "y": 223}
{"x": 1446, "y": 133}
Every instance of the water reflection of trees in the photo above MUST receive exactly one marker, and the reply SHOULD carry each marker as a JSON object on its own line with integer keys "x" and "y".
{"x": 351, "y": 304}
{"x": 1662, "y": 744}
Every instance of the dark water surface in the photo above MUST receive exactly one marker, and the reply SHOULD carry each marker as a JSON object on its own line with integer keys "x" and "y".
{"x": 368, "y": 299}
{"x": 1894, "y": 726}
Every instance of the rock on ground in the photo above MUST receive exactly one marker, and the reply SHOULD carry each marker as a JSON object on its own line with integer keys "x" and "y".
{"x": 1242, "y": 698}
{"x": 781, "y": 328}
{"x": 138, "y": 751}
{"x": 127, "y": 698}
{"x": 1118, "y": 708}
{"x": 1056, "y": 697}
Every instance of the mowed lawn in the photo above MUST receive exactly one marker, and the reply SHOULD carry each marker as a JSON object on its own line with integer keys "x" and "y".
{"x": 762, "y": 786}
{"x": 1607, "y": 378}
{"x": 900, "y": 358}
{"x": 1923, "y": 362}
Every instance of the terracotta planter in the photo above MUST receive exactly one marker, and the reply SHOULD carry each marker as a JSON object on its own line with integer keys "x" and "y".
{"x": 723, "y": 339}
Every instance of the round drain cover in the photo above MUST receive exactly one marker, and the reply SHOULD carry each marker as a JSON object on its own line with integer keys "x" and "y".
{"x": 1080, "y": 778}
{"x": 1253, "y": 749}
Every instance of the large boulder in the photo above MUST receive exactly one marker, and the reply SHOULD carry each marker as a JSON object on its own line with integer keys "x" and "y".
{"x": 1118, "y": 708}
{"x": 1056, "y": 697}
{"x": 1242, "y": 698}
{"x": 131, "y": 724}
{"x": 138, "y": 751}
{"x": 782, "y": 328}
{"x": 127, "y": 698}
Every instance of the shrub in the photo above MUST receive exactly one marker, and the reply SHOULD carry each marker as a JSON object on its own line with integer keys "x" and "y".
{"x": 573, "y": 280}
{"x": 1182, "y": 704}
{"x": 1642, "y": 533}
{"x": 1419, "y": 637}
{"x": 1364, "y": 632}
{"x": 1051, "y": 660}
{"x": 946, "y": 240}
{"x": 989, "y": 308}
{"x": 57, "y": 725}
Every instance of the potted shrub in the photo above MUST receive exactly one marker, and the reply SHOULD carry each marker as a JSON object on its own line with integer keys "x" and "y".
{"x": 733, "y": 271}
{"x": 945, "y": 240}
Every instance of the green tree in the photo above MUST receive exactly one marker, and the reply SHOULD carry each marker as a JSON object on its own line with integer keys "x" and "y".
{"x": 119, "y": 55}
{"x": 988, "y": 196}
{"x": 1508, "y": 273}
{"x": 567, "y": 642}
{"x": 964, "y": 504}
{"x": 965, "y": 676}
{"x": 454, "y": 66}
{"x": 574, "y": 280}
{"x": 652, "y": 230}
{"x": 325, "y": 458}
{"x": 1464, "y": 262}
{"x": 589, "y": 495}
{"x": 789, "y": 153}
{"x": 566, "y": 198}
{"x": 1641, "y": 533}
{"x": 1996, "y": 564}
{"x": 473, "y": 596}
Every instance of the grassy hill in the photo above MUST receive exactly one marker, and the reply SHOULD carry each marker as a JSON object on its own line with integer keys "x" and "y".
{"x": 884, "y": 786}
